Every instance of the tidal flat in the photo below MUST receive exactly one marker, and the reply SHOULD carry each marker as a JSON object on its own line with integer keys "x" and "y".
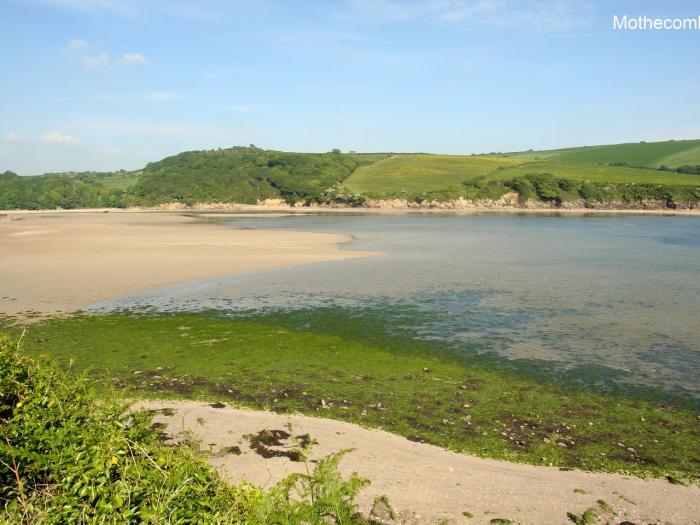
{"x": 417, "y": 389}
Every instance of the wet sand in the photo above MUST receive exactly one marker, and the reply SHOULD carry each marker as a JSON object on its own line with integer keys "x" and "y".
{"x": 53, "y": 262}
{"x": 425, "y": 483}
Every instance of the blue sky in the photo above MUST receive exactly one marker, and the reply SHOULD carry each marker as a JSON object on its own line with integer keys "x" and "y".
{"x": 107, "y": 84}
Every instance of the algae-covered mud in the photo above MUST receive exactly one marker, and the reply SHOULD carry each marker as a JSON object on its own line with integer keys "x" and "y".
{"x": 336, "y": 366}
{"x": 605, "y": 302}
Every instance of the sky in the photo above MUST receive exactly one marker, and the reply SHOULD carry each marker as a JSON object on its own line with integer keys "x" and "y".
{"x": 108, "y": 84}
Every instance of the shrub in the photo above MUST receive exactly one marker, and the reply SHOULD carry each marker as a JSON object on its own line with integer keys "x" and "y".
{"x": 68, "y": 456}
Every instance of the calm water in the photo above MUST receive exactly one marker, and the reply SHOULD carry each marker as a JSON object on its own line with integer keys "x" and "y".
{"x": 614, "y": 297}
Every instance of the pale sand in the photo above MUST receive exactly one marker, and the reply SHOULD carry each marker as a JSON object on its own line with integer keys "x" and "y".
{"x": 428, "y": 481}
{"x": 64, "y": 261}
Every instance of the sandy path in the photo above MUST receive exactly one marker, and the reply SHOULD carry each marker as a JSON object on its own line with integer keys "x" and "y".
{"x": 53, "y": 262}
{"x": 431, "y": 483}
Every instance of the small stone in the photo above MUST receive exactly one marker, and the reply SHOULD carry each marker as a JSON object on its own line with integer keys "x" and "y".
{"x": 382, "y": 513}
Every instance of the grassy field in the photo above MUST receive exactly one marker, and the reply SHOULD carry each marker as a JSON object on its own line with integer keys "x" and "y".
{"x": 427, "y": 175}
{"x": 422, "y": 173}
{"x": 121, "y": 181}
{"x": 578, "y": 171}
{"x": 649, "y": 154}
{"x": 408, "y": 387}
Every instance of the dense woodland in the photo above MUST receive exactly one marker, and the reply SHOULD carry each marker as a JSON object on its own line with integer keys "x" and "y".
{"x": 239, "y": 174}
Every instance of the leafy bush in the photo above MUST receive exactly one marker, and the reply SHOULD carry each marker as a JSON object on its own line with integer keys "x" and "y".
{"x": 55, "y": 191}
{"x": 523, "y": 186}
{"x": 242, "y": 175}
{"x": 339, "y": 195}
{"x": 68, "y": 456}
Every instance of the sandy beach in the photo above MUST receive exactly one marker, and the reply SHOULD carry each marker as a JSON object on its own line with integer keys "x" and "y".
{"x": 62, "y": 261}
{"x": 426, "y": 484}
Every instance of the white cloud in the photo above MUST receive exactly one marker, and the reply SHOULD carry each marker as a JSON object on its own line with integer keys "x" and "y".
{"x": 55, "y": 137}
{"x": 77, "y": 45}
{"x": 96, "y": 61}
{"x": 132, "y": 58}
{"x": 245, "y": 108}
{"x": 534, "y": 15}
{"x": 13, "y": 137}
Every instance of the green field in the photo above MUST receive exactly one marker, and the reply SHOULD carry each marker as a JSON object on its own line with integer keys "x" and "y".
{"x": 366, "y": 375}
{"x": 672, "y": 153}
{"x": 578, "y": 171}
{"x": 422, "y": 173}
{"x": 450, "y": 176}
{"x": 121, "y": 181}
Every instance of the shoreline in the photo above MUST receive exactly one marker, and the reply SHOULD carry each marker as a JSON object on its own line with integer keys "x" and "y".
{"x": 424, "y": 483}
{"x": 445, "y": 208}
{"x": 59, "y": 262}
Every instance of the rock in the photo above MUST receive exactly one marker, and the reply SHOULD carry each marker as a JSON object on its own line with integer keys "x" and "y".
{"x": 382, "y": 513}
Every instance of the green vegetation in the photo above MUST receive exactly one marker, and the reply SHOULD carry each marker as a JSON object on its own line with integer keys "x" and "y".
{"x": 672, "y": 153}
{"x": 588, "y": 517}
{"x": 408, "y": 387}
{"x": 435, "y": 177}
{"x": 51, "y": 191}
{"x": 68, "y": 456}
{"x": 242, "y": 175}
{"x": 629, "y": 175}
{"x": 405, "y": 175}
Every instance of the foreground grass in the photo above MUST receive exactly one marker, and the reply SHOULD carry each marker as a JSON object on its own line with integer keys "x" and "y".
{"x": 405, "y": 387}
{"x": 69, "y": 456}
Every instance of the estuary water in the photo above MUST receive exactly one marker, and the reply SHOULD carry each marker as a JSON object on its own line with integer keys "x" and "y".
{"x": 613, "y": 300}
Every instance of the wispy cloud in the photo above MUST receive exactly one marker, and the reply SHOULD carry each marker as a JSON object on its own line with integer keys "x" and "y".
{"x": 77, "y": 45}
{"x": 96, "y": 61}
{"x": 128, "y": 59}
{"x": 13, "y": 137}
{"x": 246, "y": 108}
{"x": 533, "y": 15}
{"x": 55, "y": 137}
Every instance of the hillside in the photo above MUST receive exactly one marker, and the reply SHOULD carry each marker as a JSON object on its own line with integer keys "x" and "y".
{"x": 660, "y": 174}
{"x": 672, "y": 153}
{"x": 239, "y": 174}
{"x": 584, "y": 175}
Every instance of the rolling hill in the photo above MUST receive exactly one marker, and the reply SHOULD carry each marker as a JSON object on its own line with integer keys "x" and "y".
{"x": 672, "y": 153}
{"x": 660, "y": 174}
